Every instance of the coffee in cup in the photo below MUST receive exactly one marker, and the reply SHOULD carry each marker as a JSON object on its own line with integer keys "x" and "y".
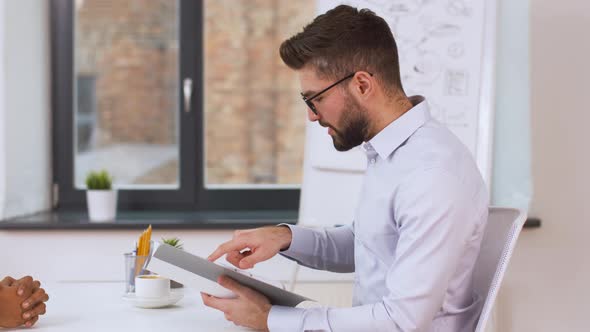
{"x": 152, "y": 286}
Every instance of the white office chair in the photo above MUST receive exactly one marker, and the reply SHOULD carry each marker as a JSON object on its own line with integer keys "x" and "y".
{"x": 499, "y": 240}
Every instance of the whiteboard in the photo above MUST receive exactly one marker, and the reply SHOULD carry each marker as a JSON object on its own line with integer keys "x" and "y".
{"x": 446, "y": 50}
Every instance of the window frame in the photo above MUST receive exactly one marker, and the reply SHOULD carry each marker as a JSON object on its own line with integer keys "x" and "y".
{"x": 192, "y": 193}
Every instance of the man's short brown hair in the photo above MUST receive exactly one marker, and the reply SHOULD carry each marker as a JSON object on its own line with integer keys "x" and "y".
{"x": 345, "y": 40}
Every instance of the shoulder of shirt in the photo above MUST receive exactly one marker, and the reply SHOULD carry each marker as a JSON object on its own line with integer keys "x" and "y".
{"x": 434, "y": 153}
{"x": 433, "y": 146}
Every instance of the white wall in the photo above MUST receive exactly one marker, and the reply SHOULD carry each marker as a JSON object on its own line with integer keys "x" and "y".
{"x": 24, "y": 108}
{"x": 98, "y": 255}
{"x": 547, "y": 285}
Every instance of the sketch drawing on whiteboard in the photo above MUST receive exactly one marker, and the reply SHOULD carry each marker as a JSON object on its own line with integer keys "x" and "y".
{"x": 459, "y": 8}
{"x": 456, "y": 117}
{"x": 456, "y": 50}
{"x": 452, "y": 117}
{"x": 397, "y": 7}
{"x": 456, "y": 82}
{"x": 420, "y": 67}
{"x": 440, "y": 51}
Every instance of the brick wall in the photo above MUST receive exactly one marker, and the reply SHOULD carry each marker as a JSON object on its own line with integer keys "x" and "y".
{"x": 131, "y": 47}
{"x": 254, "y": 119}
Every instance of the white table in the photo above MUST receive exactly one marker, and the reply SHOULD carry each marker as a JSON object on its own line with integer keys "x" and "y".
{"x": 98, "y": 306}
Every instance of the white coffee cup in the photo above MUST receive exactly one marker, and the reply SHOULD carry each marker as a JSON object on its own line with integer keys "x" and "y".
{"x": 152, "y": 286}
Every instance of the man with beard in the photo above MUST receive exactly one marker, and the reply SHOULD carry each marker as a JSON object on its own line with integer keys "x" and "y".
{"x": 423, "y": 207}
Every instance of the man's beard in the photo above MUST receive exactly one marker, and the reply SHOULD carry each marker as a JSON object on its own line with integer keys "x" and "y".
{"x": 354, "y": 126}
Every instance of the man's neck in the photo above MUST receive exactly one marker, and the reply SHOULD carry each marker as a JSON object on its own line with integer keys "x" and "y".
{"x": 388, "y": 112}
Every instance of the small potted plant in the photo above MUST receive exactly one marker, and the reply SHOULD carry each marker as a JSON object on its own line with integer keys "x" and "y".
{"x": 175, "y": 242}
{"x": 100, "y": 196}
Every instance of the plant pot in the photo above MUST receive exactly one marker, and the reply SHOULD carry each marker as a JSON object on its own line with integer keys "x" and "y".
{"x": 102, "y": 205}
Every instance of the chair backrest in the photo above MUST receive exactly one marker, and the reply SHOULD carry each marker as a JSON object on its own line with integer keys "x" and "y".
{"x": 499, "y": 240}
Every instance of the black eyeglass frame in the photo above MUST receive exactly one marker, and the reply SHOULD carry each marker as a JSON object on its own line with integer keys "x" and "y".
{"x": 309, "y": 102}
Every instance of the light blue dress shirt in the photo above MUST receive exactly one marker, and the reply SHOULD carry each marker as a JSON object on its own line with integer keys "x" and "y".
{"x": 416, "y": 234}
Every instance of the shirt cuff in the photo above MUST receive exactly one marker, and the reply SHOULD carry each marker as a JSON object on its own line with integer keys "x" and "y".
{"x": 301, "y": 240}
{"x": 285, "y": 319}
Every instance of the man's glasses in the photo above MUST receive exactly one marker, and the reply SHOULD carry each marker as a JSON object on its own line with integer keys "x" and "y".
{"x": 308, "y": 100}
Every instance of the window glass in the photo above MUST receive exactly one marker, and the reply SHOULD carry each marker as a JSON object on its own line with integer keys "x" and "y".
{"x": 126, "y": 91}
{"x": 254, "y": 116}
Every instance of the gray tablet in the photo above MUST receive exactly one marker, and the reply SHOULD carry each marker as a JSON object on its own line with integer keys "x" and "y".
{"x": 201, "y": 274}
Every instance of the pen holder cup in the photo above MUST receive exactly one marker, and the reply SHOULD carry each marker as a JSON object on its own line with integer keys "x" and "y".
{"x": 133, "y": 267}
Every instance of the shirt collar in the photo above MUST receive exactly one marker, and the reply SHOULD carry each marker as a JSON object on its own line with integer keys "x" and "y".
{"x": 398, "y": 131}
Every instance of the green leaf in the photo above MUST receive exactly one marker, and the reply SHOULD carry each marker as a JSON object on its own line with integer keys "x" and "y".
{"x": 99, "y": 180}
{"x": 174, "y": 241}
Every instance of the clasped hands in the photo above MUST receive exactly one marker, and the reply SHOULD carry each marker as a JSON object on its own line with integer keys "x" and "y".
{"x": 21, "y": 302}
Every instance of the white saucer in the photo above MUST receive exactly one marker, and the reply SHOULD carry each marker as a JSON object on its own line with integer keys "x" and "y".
{"x": 153, "y": 303}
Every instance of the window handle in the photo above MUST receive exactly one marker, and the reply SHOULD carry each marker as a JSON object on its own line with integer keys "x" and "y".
{"x": 188, "y": 92}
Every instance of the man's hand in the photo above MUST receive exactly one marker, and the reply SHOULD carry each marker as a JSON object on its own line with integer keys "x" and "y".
{"x": 32, "y": 298}
{"x": 249, "y": 247}
{"x": 249, "y": 309}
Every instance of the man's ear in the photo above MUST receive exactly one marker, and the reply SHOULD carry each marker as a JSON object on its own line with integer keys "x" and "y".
{"x": 364, "y": 84}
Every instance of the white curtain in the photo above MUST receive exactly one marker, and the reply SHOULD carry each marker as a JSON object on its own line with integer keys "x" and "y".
{"x": 25, "y": 113}
{"x": 2, "y": 116}
{"x": 511, "y": 177}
